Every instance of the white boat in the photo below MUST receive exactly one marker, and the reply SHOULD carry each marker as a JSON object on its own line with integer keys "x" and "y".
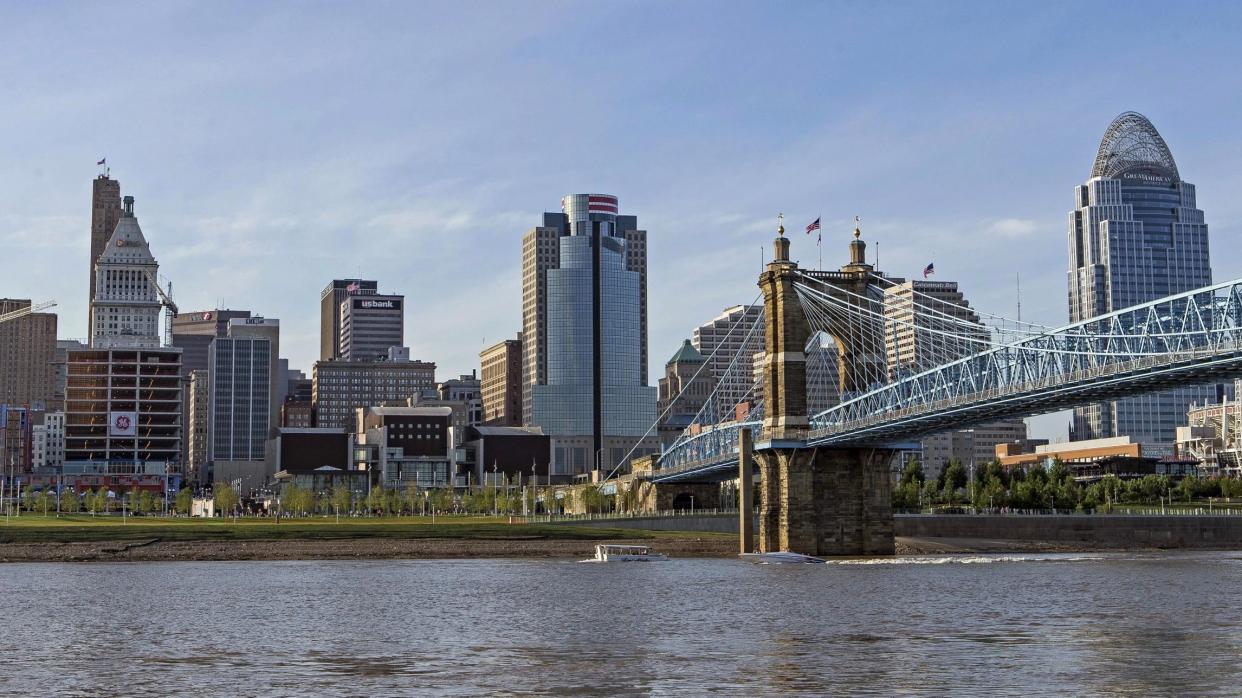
{"x": 625, "y": 553}
{"x": 782, "y": 558}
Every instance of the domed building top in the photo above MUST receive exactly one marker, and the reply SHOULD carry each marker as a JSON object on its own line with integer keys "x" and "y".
{"x": 1132, "y": 141}
{"x": 687, "y": 354}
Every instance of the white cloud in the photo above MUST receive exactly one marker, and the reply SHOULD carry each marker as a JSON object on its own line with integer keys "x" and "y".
{"x": 1012, "y": 227}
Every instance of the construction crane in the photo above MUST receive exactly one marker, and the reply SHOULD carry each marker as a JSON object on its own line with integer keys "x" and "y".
{"x": 169, "y": 305}
{"x": 22, "y": 312}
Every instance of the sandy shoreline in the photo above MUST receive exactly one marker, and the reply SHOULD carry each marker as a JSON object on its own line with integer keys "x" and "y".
{"x": 690, "y": 545}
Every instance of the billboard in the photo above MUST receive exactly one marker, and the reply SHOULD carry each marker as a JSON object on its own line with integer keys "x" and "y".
{"x": 122, "y": 423}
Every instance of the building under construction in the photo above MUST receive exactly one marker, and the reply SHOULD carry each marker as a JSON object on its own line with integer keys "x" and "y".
{"x": 123, "y": 405}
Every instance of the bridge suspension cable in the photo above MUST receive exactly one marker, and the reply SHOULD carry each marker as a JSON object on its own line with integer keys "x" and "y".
{"x": 981, "y": 338}
{"x": 709, "y": 408}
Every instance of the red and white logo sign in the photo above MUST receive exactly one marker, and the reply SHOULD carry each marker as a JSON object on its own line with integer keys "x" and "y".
{"x": 122, "y": 424}
{"x": 206, "y": 317}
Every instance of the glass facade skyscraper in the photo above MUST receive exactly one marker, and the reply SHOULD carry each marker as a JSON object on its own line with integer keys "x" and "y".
{"x": 1135, "y": 235}
{"x": 585, "y": 318}
{"x": 241, "y": 387}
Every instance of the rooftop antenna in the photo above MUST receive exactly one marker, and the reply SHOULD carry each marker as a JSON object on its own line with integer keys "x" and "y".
{"x": 1018, "y": 276}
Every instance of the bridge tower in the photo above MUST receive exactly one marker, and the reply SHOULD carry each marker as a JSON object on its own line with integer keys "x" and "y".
{"x": 818, "y": 500}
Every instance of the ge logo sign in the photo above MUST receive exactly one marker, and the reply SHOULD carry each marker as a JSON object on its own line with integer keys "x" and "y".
{"x": 123, "y": 423}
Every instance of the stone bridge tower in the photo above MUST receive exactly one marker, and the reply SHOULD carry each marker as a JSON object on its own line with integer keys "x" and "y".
{"x": 813, "y": 500}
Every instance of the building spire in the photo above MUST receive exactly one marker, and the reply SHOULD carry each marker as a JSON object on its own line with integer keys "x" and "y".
{"x": 781, "y": 243}
{"x": 858, "y": 250}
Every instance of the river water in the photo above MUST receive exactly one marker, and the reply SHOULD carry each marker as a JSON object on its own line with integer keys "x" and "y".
{"x": 1126, "y": 624}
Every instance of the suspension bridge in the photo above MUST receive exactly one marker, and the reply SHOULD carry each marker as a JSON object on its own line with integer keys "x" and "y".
{"x": 906, "y": 360}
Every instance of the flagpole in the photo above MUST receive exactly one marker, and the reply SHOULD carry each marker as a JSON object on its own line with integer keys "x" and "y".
{"x": 819, "y": 242}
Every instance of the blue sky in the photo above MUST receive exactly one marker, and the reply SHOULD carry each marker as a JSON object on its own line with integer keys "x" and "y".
{"x": 274, "y": 146}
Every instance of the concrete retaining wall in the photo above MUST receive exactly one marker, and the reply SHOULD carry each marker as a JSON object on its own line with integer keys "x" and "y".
{"x": 1103, "y": 531}
{"x": 1106, "y": 531}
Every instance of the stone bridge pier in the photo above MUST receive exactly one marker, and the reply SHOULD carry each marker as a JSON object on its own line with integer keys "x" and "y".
{"x": 817, "y": 501}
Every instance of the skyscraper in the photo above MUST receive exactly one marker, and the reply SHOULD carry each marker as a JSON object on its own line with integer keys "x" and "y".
{"x": 193, "y": 332}
{"x": 1135, "y": 235}
{"x": 914, "y": 342}
{"x": 682, "y": 394}
{"x": 105, "y": 214}
{"x": 341, "y": 387}
{"x": 501, "y": 383}
{"x": 125, "y": 307}
{"x": 27, "y": 350}
{"x": 584, "y": 324}
{"x": 370, "y": 325}
{"x": 729, "y": 342}
{"x": 269, "y": 329}
{"x": 330, "y": 301}
{"x": 123, "y": 394}
{"x": 241, "y": 399}
{"x": 197, "y": 425}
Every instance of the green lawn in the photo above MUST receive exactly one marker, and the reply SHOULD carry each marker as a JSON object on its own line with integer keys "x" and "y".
{"x": 85, "y": 528}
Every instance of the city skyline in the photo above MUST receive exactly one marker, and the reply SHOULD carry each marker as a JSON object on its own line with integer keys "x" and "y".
{"x": 247, "y": 212}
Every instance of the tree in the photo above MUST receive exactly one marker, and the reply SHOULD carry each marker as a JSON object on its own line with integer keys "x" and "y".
{"x": 375, "y": 501}
{"x": 913, "y": 472}
{"x": 299, "y": 500}
{"x": 30, "y": 498}
{"x": 1188, "y": 488}
{"x": 442, "y": 500}
{"x": 1058, "y": 471}
{"x": 184, "y": 501}
{"x": 1230, "y": 487}
{"x": 341, "y": 498}
{"x": 69, "y": 502}
{"x": 47, "y": 501}
{"x": 146, "y": 503}
{"x": 133, "y": 500}
{"x": 414, "y": 498}
{"x": 226, "y": 498}
{"x": 906, "y": 496}
{"x": 955, "y": 478}
{"x": 1153, "y": 487}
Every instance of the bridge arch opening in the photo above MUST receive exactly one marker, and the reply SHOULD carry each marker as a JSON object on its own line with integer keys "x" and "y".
{"x": 683, "y": 500}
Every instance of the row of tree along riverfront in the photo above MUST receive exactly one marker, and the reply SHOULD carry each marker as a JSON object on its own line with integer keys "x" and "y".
{"x": 994, "y": 487}
{"x": 340, "y": 500}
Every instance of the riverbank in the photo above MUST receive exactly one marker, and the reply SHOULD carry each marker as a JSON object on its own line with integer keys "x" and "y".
{"x": 111, "y": 539}
{"x": 104, "y": 539}
{"x": 677, "y": 545}
{"x": 696, "y": 545}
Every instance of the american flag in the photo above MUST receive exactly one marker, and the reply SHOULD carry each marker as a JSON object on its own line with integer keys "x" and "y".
{"x": 929, "y": 270}
{"x": 812, "y": 226}
{"x": 102, "y": 161}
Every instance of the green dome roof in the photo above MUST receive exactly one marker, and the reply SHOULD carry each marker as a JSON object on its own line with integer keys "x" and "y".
{"x": 687, "y": 354}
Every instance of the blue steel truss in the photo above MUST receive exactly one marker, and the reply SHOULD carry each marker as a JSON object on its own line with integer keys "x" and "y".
{"x": 1193, "y": 337}
{"x": 1189, "y": 338}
